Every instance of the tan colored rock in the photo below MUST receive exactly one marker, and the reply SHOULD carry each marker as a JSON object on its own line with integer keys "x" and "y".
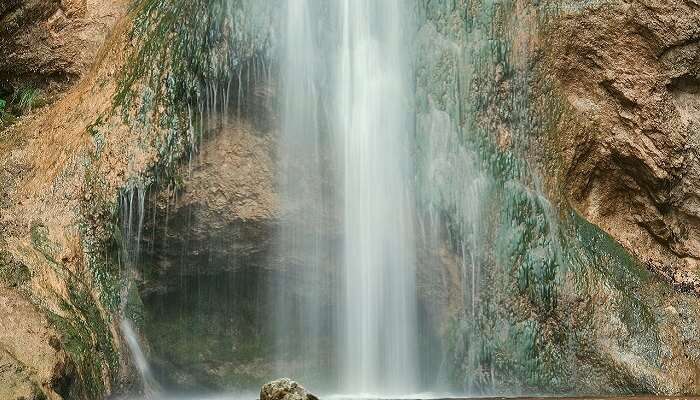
{"x": 234, "y": 174}
{"x": 79, "y": 152}
{"x": 43, "y": 180}
{"x": 51, "y": 43}
{"x": 631, "y": 141}
{"x": 285, "y": 389}
{"x": 31, "y": 359}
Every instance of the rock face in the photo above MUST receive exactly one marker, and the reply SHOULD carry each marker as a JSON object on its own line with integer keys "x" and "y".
{"x": 58, "y": 343}
{"x": 631, "y": 142}
{"x": 207, "y": 251}
{"x": 285, "y": 389}
{"x": 61, "y": 170}
{"x": 32, "y": 362}
{"x": 51, "y": 44}
{"x": 224, "y": 208}
{"x": 534, "y": 103}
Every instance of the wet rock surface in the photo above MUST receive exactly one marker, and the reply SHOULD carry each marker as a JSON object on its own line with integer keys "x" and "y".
{"x": 207, "y": 252}
{"x": 285, "y": 389}
{"x": 221, "y": 218}
{"x": 549, "y": 286}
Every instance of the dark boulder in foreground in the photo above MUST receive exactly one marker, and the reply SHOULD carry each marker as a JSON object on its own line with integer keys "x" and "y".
{"x": 285, "y": 389}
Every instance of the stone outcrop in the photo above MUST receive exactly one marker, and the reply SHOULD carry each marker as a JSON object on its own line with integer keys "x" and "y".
{"x": 61, "y": 171}
{"x": 223, "y": 210}
{"x": 207, "y": 246}
{"x": 32, "y": 361}
{"x": 50, "y": 44}
{"x": 630, "y": 141}
{"x": 285, "y": 389}
{"x": 59, "y": 343}
{"x": 542, "y": 96}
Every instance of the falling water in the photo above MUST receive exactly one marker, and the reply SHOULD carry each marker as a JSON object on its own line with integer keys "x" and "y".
{"x": 150, "y": 384}
{"x": 300, "y": 240}
{"x": 373, "y": 117}
{"x": 132, "y": 205}
{"x": 351, "y": 104}
{"x": 344, "y": 291}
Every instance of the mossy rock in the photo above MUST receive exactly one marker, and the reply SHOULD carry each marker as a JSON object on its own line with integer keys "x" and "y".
{"x": 12, "y": 272}
{"x": 41, "y": 242}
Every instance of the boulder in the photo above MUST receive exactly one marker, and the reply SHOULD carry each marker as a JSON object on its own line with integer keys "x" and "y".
{"x": 285, "y": 389}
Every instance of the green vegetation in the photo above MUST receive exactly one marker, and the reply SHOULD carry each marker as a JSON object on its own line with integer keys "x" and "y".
{"x": 37, "y": 393}
{"x": 81, "y": 322}
{"x": 40, "y": 241}
{"x": 21, "y": 102}
{"x": 99, "y": 228}
{"x": 181, "y": 65}
{"x": 86, "y": 337}
{"x": 27, "y": 98}
{"x": 6, "y": 117}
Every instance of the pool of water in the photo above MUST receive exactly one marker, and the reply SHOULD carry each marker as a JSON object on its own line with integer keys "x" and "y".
{"x": 416, "y": 396}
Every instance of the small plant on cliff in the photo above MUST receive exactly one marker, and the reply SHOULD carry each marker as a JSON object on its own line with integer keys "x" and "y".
{"x": 27, "y": 98}
{"x": 5, "y": 117}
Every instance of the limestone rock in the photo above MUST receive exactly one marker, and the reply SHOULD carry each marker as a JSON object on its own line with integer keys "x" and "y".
{"x": 32, "y": 362}
{"x": 49, "y": 44}
{"x": 285, "y": 389}
{"x": 630, "y": 143}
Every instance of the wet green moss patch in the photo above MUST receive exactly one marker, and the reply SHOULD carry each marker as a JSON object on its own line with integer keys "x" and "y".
{"x": 86, "y": 337}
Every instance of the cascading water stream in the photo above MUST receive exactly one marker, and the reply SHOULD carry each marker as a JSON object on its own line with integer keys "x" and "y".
{"x": 351, "y": 104}
{"x": 344, "y": 302}
{"x": 373, "y": 127}
{"x": 304, "y": 205}
{"x": 132, "y": 204}
{"x": 149, "y": 382}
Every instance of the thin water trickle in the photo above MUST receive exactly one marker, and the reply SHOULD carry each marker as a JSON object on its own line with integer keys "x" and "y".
{"x": 133, "y": 211}
{"x": 150, "y": 384}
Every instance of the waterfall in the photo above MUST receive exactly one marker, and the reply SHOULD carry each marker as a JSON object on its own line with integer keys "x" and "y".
{"x": 300, "y": 241}
{"x": 341, "y": 312}
{"x": 132, "y": 203}
{"x": 379, "y": 331}
{"x": 150, "y": 384}
{"x": 347, "y": 125}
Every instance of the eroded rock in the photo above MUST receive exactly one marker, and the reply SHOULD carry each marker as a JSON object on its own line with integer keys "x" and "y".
{"x": 32, "y": 362}
{"x": 285, "y": 389}
{"x": 50, "y": 44}
{"x": 631, "y": 140}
